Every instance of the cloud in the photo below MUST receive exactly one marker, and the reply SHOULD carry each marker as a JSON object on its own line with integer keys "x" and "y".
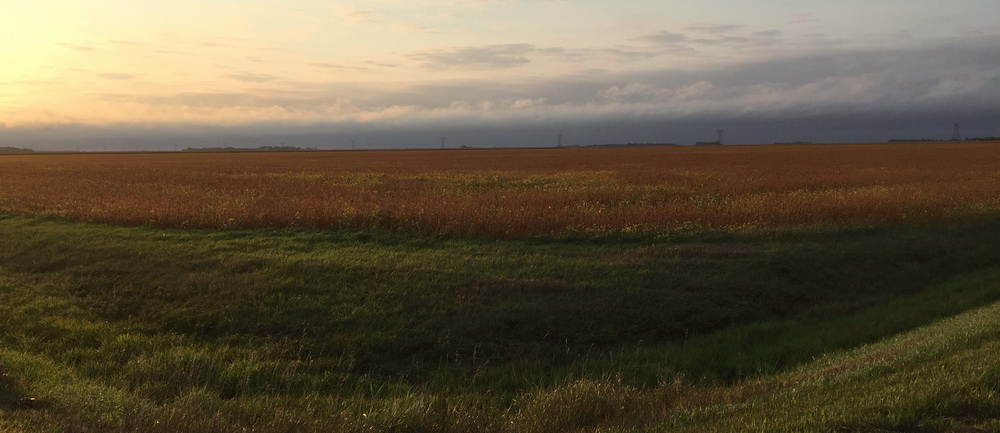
{"x": 803, "y": 18}
{"x": 414, "y": 28}
{"x": 490, "y": 56}
{"x": 665, "y": 37}
{"x": 874, "y": 82}
{"x": 338, "y": 67}
{"x": 625, "y": 54}
{"x": 635, "y": 93}
{"x": 212, "y": 44}
{"x": 946, "y": 78}
{"x": 720, "y": 37}
{"x": 768, "y": 33}
{"x": 716, "y": 28}
{"x": 117, "y": 76}
{"x": 248, "y": 77}
{"x": 76, "y": 47}
{"x": 963, "y": 86}
{"x": 381, "y": 64}
{"x": 527, "y": 103}
{"x": 357, "y": 16}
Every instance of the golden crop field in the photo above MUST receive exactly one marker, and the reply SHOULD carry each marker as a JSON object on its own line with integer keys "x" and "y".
{"x": 515, "y": 192}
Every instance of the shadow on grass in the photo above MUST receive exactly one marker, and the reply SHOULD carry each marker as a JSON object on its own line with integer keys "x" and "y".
{"x": 12, "y": 395}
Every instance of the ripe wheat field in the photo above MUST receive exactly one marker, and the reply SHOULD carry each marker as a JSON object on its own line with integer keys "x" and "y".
{"x": 506, "y": 193}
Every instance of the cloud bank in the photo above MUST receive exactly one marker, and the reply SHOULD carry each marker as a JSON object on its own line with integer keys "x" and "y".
{"x": 946, "y": 82}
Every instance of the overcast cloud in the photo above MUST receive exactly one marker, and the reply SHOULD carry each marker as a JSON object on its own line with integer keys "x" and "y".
{"x": 504, "y": 74}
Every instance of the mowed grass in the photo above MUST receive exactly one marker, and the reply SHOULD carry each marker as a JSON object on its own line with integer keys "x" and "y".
{"x": 511, "y": 193}
{"x": 141, "y": 329}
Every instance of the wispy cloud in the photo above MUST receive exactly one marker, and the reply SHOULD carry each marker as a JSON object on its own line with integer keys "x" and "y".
{"x": 773, "y": 33}
{"x": 381, "y": 64}
{"x": 490, "y": 56}
{"x": 117, "y": 76}
{"x": 720, "y": 36}
{"x": 357, "y": 16}
{"x": 514, "y": 55}
{"x": 414, "y": 28}
{"x": 249, "y": 77}
{"x": 665, "y": 37}
{"x": 338, "y": 67}
{"x": 715, "y": 28}
{"x": 803, "y": 18}
{"x": 76, "y": 47}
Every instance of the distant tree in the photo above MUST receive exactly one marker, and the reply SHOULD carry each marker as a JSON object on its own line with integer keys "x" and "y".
{"x": 9, "y": 150}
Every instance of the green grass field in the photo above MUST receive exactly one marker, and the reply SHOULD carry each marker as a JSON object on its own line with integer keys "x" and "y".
{"x": 858, "y": 329}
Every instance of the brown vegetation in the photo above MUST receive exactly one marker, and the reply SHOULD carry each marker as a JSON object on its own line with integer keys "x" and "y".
{"x": 510, "y": 193}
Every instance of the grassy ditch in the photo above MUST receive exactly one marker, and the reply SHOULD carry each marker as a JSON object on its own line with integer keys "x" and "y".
{"x": 138, "y": 329}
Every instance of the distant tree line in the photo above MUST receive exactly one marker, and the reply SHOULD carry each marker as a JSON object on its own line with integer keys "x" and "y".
{"x": 8, "y": 150}
{"x": 921, "y": 140}
{"x": 632, "y": 144}
{"x": 248, "y": 149}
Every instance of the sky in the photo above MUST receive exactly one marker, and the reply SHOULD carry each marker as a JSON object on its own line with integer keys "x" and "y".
{"x": 164, "y": 74}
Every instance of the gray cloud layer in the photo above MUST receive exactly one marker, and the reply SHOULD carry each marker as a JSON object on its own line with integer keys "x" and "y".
{"x": 935, "y": 78}
{"x": 883, "y": 93}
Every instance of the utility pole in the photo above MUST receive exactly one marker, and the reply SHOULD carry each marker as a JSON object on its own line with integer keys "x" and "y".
{"x": 442, "y": 142}
{"x": 559, "y": 140}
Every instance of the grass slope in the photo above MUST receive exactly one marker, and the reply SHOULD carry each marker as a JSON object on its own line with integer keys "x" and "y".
{"x": 137, "y": 329}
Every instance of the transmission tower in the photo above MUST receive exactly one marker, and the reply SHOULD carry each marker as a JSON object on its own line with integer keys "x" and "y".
{"x": 955, "y": 136}
{"x": 559, "y": 140}
{"x": 442, "y": 142}
{"x": 719, "y": 138}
